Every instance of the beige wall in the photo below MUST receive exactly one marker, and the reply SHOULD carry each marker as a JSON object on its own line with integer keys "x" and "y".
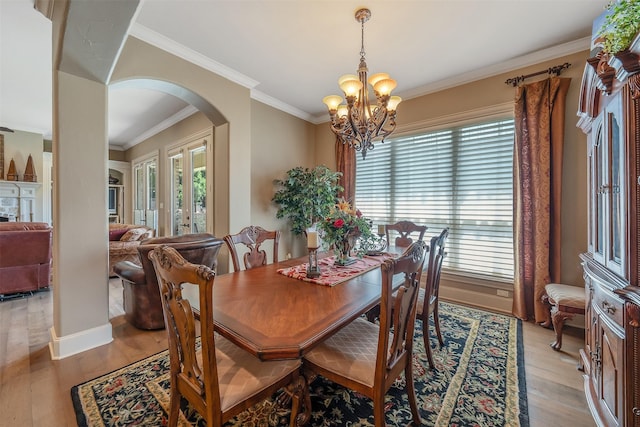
{"x": 493, "y": 92}
{"x": 279, "y": 142}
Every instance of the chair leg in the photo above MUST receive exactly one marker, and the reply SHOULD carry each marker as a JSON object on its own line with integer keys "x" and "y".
{"x": 174, "y": 408}
{"x": 436, "y": 321}
{"x": 425, "y": 337}
{"x": 378, "y": 412}
{"x": 411, "y": 394}
{"x": 558, "y": 318}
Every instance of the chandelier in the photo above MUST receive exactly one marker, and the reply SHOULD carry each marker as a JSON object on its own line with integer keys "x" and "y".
{"x": 358, "y": 123}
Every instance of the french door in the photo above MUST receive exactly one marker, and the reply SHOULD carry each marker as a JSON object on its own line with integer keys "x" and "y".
{"x": 145, "y": 210}
{"x": 189, "y": 186}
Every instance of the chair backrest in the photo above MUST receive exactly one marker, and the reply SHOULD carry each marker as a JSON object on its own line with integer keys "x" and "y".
{"x": 405, "y": 229}
{"x": 198, "y": 382}
{"x": 434, "y": 268}
{"x": 252, "y": 237}
{"x": 398, "y": 312}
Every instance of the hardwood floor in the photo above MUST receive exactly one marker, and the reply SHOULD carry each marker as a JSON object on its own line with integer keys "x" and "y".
{"x": 35, "y": 391}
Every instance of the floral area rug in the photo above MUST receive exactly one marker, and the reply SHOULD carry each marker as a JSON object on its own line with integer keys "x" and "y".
{"x": 479, "y": 380}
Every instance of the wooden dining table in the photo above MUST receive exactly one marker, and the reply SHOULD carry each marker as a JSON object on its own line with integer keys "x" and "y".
{"x": 273, "y": 316}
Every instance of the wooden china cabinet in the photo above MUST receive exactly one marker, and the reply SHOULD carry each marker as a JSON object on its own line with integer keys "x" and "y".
{"x": 609, "y": 113}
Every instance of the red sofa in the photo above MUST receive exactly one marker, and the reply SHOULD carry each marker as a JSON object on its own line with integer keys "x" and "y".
{"x": 25, "y": 256}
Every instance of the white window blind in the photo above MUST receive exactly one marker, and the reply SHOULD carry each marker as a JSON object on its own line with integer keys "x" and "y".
{"x": 459, "y": 178}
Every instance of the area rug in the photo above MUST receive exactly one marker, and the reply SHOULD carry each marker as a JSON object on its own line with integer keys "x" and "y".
{"x": 479, "y": 380}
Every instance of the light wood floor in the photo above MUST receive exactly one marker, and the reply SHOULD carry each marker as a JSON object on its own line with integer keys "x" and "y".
{"x": 35, "y": 391}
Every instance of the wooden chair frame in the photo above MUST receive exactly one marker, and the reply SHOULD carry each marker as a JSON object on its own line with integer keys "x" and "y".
{"x": 432, "y": 290}
{"x": 393, "y": 356}
{"x": 405, "y": 229}
{"x": 194, "y": 379}
{"x": 252, "y": 237}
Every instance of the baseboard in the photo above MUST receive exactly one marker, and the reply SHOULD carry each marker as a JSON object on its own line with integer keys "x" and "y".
{"x": 481, "y": 299}
{"x": 68, "y": 345}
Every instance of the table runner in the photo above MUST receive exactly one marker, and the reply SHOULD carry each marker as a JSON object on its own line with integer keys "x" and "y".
{"x": 331, "y": 274}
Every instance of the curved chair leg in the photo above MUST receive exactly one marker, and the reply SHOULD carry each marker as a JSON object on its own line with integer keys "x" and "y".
{"x": 174, "y": 408}
{"x": 558, "y": 318}
{"x": 436, "y": 321}
{"x": 411, "y": 395}
{"x": 427, "y": 345}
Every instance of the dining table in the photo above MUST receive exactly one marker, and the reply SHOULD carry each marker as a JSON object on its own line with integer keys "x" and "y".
{"x": 274, "y": 316}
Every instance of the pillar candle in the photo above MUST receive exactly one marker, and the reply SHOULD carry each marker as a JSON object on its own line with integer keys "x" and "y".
{"x": 381, "y": 229}
{"x": 312, "y": 239}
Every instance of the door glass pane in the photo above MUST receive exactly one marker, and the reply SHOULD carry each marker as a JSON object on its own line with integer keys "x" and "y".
{"x": 616, "y": 200}
{"x": 151, "y": 186}
{"x": 138, "y": 195}
{"x": 199, "y": 190}
{"x": 176, "y": 196}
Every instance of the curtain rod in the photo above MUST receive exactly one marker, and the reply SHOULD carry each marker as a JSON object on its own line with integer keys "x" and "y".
{"x": 515, "y": 81}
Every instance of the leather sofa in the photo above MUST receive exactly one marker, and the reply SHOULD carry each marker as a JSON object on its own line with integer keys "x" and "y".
{"x": 25, "y": 256}
{"x": 141, "y": 295}
{"x": 123, "y": 242}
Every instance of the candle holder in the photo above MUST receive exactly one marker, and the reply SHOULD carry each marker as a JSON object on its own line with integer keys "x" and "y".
{"x": 313, "y": 271}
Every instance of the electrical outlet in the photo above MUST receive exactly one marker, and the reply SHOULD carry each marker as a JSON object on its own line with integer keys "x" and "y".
{"x": 502, "y": 293}
{"x": 288, "y": 256}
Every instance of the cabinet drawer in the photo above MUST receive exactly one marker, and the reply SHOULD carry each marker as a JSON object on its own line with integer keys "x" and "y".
{"x": 608, "y": 304}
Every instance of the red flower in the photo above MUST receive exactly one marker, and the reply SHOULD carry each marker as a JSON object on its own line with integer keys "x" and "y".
{"x": 338, "y": 223}
{"x": 358, "y": 213}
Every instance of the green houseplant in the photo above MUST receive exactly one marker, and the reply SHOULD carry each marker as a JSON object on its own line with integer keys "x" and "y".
{"x": 306, "y": 196}
{"x": 621, "y": 24}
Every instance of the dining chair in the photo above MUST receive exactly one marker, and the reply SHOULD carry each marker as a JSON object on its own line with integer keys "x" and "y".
{"x": 252, "y": 237}
{"x": 405, "y": 229}
{"x": 428, "y": 296}
{"x": 368, "y": 357}
{"x": 218, "y": 378}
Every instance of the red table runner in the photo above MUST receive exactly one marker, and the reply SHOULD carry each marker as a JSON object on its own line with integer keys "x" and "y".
{"x": 331, "y": 274}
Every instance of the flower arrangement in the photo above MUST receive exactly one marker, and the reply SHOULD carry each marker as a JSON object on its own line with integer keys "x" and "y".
{"x": 341, "y": 228}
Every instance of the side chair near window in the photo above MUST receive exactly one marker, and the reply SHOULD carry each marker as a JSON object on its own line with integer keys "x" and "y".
{"x": 428, "y": 296}
{"x": 252, "y": 237}
{"x": 219, "y": 379}
{"x": 141, "y": 299}
{"x": 367, "y": 357}
{"x": 405, "y": 229}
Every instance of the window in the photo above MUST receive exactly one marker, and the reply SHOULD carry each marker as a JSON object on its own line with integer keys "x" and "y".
{"x": 459, "y": 177}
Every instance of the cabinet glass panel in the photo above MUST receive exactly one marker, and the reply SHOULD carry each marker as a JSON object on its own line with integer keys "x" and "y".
{"x": 599, "y": 181}
{"x": 616, "y": 200}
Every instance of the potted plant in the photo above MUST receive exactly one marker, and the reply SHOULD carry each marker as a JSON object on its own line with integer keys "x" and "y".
{"x": 621, "y": 24}
{"x": 306, "y": 196}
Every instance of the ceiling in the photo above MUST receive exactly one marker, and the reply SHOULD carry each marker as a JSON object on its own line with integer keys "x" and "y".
{"x": 290, "y": 53}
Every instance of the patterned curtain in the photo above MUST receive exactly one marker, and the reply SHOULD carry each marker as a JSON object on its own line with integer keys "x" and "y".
{"x": 346, "y": 163}
{"x": 539, "y": 123}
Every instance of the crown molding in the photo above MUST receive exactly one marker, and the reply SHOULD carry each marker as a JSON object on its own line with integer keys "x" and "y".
{"x": 147, "y": 35}
{"x": 167, "y": 123}
{"x": 503, "y": 67}
{"x": 283, "y": 106}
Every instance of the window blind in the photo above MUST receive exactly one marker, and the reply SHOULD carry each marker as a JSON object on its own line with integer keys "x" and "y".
{"x": 461, "y": 178}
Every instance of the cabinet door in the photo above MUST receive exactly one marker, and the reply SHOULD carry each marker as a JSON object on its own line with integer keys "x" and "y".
{"x": 610, "y": 383}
